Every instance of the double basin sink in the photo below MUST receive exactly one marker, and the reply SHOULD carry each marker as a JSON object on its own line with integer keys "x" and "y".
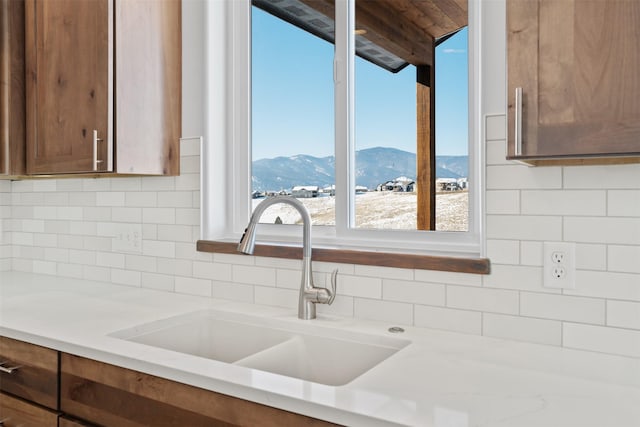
{"x": 329, "y": 356}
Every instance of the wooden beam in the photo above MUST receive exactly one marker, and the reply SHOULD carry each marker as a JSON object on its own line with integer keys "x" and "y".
{"x": 380, "y": 259}
{"x": 387, "y": 28}
{"x": 426, "y": 148}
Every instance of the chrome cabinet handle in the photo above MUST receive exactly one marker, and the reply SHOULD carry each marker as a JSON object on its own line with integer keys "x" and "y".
{"x": 8, "y": 369}
{"x": 518, "y": 122}
{"x": 95, "y": 150}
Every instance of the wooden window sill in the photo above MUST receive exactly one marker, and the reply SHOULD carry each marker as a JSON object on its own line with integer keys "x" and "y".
{"x": 380, "y": 259}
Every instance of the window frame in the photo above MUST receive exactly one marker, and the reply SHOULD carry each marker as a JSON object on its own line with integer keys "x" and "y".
{"x": 226, "y": 152}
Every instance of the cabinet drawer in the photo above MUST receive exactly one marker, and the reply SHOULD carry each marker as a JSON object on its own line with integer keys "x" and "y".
{"x": 15, "y": 412}
{"x": 29, "y": 371}
{"x": 113, "y": 396}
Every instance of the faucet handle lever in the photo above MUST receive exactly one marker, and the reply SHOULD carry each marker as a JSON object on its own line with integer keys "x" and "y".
{"x": 334, "y": 286}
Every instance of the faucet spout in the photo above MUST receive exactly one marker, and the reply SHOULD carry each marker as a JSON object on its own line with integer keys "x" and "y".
{"x": 309, "y": 294}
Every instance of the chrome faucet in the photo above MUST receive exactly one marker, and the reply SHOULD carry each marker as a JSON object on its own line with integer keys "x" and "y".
{"x": 309, "y": 294}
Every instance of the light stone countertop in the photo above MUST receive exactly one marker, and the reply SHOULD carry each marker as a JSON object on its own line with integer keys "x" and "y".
{"x": 441, "y": 379}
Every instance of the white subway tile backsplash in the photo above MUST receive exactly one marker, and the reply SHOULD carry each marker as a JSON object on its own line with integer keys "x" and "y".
{"x": 502, "y": 202}
{"x": 141, "y": 263}
{"x": 110, "y": 259}
{"x": 623, "y": 314}
{"x": 110, "y": 198}
{"x": 496, "y": 127}
{"x": 624, "y": 203}
{"x": 126, "y": 277}
{"x": 383, "y": 272}
{"x": 126, "y": 215}
{"x": 159, "y": 215}
{"x": 591, "y": 257}
{"x": 625, "y": 231}
{"x": 624, "y": 259}
{"x": 606, "y": 177}
{"x": 232, "y": 291}
{"x": 251, "y": 275}
{"x": 483, "y": 299}
{"x": 126, "y": 184}
{"x": 602, "y": 339}
{"x": 384, "y": 311}
{"x": 45, "y": 267}
{"x": 191, "y": 286}
{"x": 564, "y": 202}
{"x": 45, "y": 240}
{"x": 159, "y": 248}
{"x": 518, "y": 277}
{"x": 543, "y": 228}
{"x": 159, "y": 183}
{"x": 211, "y": 270}
{"x": 176, "y": 267}
{"x": 563, "y": 307}
{"x": 174, "y": 233}
{"x": 66, "y": 227}
{"x": 600, "y": 284}
{"x": 175, "y": 199}
{"x": 531, "y": 253}
{"x": 342, "y": 306}
{"x": 512, "y": 177}
{"x": 364, "y": 287}
{"x": 99, "y": 214}
{"x": 141, "y": 199}
{"x": 496, "y": 153}
{"x": 468, "y": 322}
{"x": 433, "y": 276}
{"x": 161, "y": 282}
{"x": 413, "y": 292}
{"x": 187, "y": 216}
{"x": 522, "y": 329}
{"x": 278, "y": 297}
{"x": 503, "y": 251}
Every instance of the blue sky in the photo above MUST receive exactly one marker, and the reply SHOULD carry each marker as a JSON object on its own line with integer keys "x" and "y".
{"x": 292, "y": 96}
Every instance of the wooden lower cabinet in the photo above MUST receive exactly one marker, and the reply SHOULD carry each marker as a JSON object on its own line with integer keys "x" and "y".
{"x": 65, "y": 421}
{"x": 108, "y": 395}
{"x": 30, "y": 372}
{"x": 16, "y": 412}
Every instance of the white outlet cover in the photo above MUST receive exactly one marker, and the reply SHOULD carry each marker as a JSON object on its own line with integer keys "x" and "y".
{"x": 127, "y": 238}
{"x": 568, "y": 281}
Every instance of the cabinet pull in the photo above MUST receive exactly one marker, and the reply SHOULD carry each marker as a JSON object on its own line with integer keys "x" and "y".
{"x": 95, "y": 150}
{"x": 7, "y": 369}
{"x": 518, "y": 122}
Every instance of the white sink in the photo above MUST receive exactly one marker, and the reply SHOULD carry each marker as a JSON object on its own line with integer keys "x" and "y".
{"x": 295, "y": 349}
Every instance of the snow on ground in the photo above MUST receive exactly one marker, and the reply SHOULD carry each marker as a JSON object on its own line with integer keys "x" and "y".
{"x": 379, "y": 210}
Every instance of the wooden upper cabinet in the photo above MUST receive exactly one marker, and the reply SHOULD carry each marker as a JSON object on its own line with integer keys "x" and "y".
{"x": 577, "y": 63}
{"x": 12, "y": 91}
{"x": 103, "y": 86}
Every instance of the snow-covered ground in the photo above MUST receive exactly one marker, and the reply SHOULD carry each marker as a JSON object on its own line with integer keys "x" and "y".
{"x": 379, "y": 210}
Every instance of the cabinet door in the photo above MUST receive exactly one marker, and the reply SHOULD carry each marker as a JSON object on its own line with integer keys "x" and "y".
{"x": 12, "y": 92}
{"x": 30, "y": 371}
{"x": 113, "y": 396}
{"x": 67, "y": 54}
{"x": 577, "y": 63}
{"x": 19, "y": 413}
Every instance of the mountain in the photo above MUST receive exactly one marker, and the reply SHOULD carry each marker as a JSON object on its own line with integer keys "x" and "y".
{"x": 373, "y": 166}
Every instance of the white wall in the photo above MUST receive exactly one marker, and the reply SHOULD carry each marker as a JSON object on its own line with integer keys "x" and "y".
{"x": 66, "y": 227}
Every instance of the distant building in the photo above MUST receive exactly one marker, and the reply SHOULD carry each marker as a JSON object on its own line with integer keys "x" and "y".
{"x": 401, "y": 184}
{"x": 305, "y": 191}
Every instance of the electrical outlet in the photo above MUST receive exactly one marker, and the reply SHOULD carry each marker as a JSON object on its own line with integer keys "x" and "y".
{"x": 559, "y": 266}
{"x": 128, "y": 238}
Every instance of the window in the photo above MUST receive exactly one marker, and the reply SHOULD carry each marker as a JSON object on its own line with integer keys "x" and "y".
{"x": 236, "y": 137}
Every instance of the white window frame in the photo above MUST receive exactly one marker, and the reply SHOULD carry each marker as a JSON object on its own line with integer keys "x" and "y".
{"x": 226, "y": 152}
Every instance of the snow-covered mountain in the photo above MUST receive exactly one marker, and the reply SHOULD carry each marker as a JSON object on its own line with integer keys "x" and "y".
{"x": 373, "y": 166}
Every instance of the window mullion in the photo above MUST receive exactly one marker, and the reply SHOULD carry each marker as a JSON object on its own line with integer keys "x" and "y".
{"x": 344, "y": 115}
